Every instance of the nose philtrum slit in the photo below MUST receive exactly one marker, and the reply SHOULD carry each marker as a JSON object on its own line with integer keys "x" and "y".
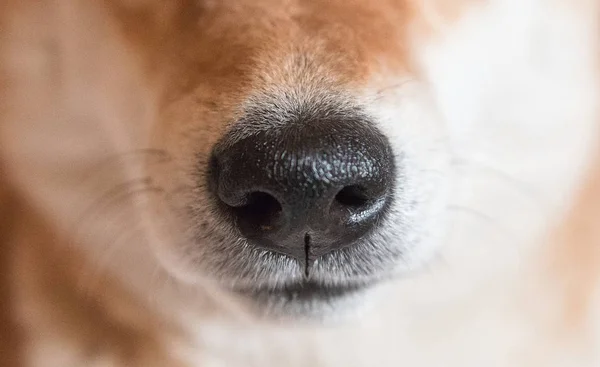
{"x": 307, "y": 257}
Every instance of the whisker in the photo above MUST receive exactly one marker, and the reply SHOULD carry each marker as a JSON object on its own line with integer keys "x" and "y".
{"x": 160, "y": 155}
{"x": 153, "y": 283}
{"x": 117, "y": 194}
{"x": 393, "y": 86}
{"x": 108, "y": 164}
{"x": 181, "y": 188}
{"x": 516, "y": 253}
{"x": 522, "y": 187}
{"x": 481, "y": 216}
{"x": 89, "y": 280}
{"x": 434, "y": 172}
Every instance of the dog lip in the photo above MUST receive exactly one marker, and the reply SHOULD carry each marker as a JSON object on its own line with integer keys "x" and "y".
{"x": 304, "y": 290}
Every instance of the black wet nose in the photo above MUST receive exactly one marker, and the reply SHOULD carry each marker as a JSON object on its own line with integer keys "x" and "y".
{"x": 307, "y": 188}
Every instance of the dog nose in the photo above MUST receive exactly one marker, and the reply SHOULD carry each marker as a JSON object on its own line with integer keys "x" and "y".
{"x": 304, "y": 189}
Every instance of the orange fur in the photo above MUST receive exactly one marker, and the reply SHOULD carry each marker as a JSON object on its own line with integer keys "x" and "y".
{"x": 172, "y": 46}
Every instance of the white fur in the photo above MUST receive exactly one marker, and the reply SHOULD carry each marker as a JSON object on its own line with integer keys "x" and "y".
{"x": 501, "y": 131}
{"x": 514, "y": 84}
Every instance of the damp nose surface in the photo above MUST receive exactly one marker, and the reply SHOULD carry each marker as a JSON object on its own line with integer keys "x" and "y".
{"x": 305, "y": 189}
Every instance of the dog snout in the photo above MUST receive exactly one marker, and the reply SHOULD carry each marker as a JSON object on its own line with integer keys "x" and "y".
{"x": 307, "y": 187}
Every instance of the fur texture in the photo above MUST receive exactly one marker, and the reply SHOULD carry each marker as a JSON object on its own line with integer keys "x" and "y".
{"x": 117, "y": 256}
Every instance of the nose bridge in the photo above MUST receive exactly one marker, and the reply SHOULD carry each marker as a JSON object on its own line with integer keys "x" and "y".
{"x": 301, "y": 63}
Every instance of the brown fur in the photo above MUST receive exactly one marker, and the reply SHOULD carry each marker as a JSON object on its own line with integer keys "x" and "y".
{"x": 100, "y": 320}
{"x": 40, "y": 271}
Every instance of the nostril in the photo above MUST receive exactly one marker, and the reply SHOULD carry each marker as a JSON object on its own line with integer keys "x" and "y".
{"x": 353, "y": 196}
{"x": 329, "y": 175}
{"x": 356, "y": 205}
{"x": 260, "y": 212}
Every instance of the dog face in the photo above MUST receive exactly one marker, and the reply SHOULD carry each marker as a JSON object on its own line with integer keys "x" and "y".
{"x": 311, "y": 160}
{"x": 296, "y": 153}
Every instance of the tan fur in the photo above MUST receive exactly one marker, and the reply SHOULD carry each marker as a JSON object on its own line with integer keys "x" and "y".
{"x": 98, "y": 320}
{"x": 574, "y": 258}
{"x": 153, "y": 54}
